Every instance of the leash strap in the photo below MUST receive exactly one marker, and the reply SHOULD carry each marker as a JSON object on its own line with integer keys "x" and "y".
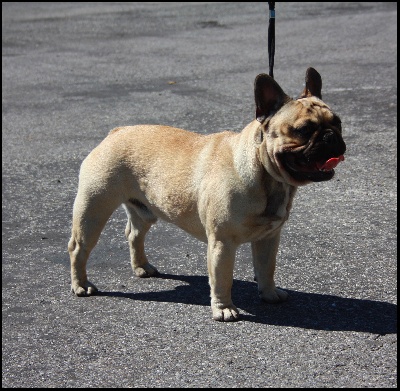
{"x": 271, "y": 38}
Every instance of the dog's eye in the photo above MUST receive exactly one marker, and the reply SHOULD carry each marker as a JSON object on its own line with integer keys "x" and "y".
{"x": 303, "y": 130}
{"x": 306, "y": 130}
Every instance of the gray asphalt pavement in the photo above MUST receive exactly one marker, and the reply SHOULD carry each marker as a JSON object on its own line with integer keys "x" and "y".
{"x": 73, "y": 71}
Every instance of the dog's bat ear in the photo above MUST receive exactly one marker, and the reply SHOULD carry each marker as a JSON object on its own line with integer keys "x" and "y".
{"x": 268, "y": 95}
{"x": 313, "y": 84}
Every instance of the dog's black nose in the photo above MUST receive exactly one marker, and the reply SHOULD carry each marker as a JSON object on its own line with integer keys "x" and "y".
{"x": 335, "y": 141}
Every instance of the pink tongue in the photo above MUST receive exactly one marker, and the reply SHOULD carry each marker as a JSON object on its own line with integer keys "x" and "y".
{"x": 330, "y": 163}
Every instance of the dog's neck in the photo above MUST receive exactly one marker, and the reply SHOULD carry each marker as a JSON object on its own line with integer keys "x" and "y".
{"x": 249, "y": 165}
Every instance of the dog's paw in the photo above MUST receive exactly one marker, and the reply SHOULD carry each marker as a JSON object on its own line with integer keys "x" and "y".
{"x": 86, "y": 289}
{"x": 226, "y": 314}
{"x": 275, "y": 295}
{"x": 146, "y": 270}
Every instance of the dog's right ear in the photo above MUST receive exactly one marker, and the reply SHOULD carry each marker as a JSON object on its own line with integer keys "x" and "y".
{"x": 313, "y": 84}
{"x": 268, "y": 95}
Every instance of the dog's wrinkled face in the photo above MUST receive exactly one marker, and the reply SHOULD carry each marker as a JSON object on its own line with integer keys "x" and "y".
{"x": 304, "y": 139}
{"x": 300, "y": 140}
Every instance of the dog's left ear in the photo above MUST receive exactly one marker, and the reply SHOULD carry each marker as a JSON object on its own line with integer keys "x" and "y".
{"x": 268, "y": 95}
{"x": 313, "y": 84}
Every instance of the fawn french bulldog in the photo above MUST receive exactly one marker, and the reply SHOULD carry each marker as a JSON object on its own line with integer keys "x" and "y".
{"x": 225, "y": 188}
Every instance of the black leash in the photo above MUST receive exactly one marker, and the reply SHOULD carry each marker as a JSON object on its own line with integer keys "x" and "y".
{"x": 271, "y": 38}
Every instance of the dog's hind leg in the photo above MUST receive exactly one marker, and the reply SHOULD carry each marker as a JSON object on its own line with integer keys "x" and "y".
{"x": 140, "y": 219}
{"x": 90, "y": 214}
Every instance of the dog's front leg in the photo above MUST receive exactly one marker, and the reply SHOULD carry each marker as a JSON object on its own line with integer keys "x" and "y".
{"x": 264, "y": 261}
{"x": 220, "y": 262}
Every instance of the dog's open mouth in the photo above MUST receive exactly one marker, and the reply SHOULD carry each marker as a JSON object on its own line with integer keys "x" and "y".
{"x": 316, "y": 170}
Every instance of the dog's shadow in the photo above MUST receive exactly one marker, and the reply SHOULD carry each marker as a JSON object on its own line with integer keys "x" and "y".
{"x": 305, "y": 310}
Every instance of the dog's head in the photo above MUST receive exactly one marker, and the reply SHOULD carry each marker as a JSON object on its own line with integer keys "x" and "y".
{"x": 299, "y": 141}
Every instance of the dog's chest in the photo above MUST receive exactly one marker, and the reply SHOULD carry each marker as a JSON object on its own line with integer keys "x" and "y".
{"x": 276, "y": 212}
{"x": 277, "y": 204}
